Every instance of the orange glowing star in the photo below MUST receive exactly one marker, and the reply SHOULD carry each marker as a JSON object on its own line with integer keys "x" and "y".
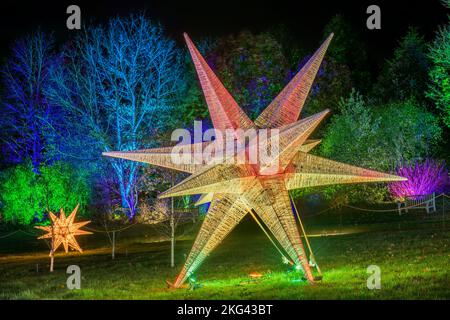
{"x": 262, "y": 188}
{"x": 63, "y": 231}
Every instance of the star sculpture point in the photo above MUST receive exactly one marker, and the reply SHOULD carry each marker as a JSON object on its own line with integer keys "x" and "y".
{"x": 63, "y": 231}
{"x": 262, "y": 188}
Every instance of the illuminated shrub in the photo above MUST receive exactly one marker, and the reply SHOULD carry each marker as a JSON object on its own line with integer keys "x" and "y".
{"x": 26, "y": 196}
{"x": 423, "y": 178}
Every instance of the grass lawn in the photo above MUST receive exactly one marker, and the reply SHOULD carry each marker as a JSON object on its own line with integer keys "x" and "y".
{"x": 413, "y": 252}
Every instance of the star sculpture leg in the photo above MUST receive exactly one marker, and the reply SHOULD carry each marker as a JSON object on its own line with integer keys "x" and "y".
{"x": 270, "y": 200}
{"x": 234, "y": 188}
{"x": 225, "y": 212}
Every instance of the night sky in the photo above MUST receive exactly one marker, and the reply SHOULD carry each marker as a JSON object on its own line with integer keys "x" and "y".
{"x": 305, "y": 19}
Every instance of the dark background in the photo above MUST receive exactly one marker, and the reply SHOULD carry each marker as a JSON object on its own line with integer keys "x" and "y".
{"x": 304, "y": 19}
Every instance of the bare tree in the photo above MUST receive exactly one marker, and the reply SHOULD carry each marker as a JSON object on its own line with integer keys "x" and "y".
{"x": 120, "y": 81}
{"x": 165, "y": 220}
{"x": 167, "y": 216}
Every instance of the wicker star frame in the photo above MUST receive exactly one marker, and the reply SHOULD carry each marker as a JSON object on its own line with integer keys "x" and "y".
{"x": 262, "y": 189}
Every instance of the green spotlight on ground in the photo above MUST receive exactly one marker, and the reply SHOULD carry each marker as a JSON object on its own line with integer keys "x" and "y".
{"x": 193, "y": 283}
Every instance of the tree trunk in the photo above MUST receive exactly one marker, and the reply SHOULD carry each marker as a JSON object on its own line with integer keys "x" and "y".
{"x": 113, "y": 252}
{"x": 172, "y": 242}
{"x": 52, "y": 259}
{"x": 52, "y": 251}
{"x": 172, "y": 231}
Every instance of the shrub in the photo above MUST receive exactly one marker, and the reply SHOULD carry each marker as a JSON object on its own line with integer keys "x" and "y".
{"x": 27, "y": 196}
{"x": 423, "y": 178}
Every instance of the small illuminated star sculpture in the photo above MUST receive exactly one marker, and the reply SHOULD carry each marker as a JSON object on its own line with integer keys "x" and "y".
{"x": 263, "y": 188}
{"x": 63, "y": 230}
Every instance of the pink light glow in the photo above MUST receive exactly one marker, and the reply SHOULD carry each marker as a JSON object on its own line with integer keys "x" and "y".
{"x": 423, "y": 178}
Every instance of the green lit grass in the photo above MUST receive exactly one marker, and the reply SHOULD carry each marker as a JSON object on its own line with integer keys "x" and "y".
{"x": 413, "y": 254}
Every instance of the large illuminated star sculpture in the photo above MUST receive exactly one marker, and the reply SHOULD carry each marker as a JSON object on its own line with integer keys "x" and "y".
{"x": 63, "y": 230}
{"x": 236, "y": 189}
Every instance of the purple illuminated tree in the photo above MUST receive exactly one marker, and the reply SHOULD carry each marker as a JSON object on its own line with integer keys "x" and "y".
{"x": 423, "y": 178}
{"x": 26, "y": 113}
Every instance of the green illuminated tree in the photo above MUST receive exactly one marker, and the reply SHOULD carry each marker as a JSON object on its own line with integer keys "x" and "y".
{"x": 380, "y": 137}
{"x": 407, "y": 132}
{"x": 351, "y": 136}
{"x": 20, "y": 196}
{"x": 377, "y": 137}
{"x": 27, "y": 196}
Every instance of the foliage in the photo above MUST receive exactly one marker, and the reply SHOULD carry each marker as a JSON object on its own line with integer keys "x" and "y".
{"x": 64, "y": 187}
{"x": 333, "y": 81}
{"x": 334, "y": 77}
{"x": 336, "y": 196}
{"x": 292, "y": 51}
{"x": 407, "y": 132}
{"x": 342, "y": 51}
{"x": 423, "y": 179}
{"x": 252, "y": 67}
{"x": 405, "y": 74}
{"x": 351, "y": 136}
{"x": 378, "y": 138}
{"x": 122, "y": 81}
{"x": 157, "y": 214}
{"x": 27, "y": 196}
{"x": 439, "y": 73}
{"x": 193, "y": 106}
{"x": 20, "y": 196}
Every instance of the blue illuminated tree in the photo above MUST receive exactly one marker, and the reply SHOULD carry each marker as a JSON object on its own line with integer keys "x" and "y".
{"x": 120, "y": 81}
{"x": 26, "y": 113}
